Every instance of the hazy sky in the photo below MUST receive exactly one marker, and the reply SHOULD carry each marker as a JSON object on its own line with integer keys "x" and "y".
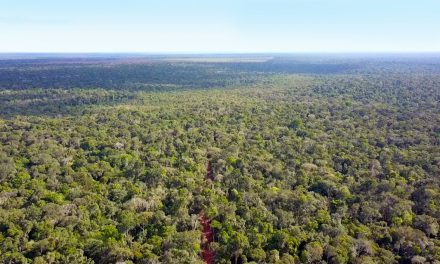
{"x": 219, "y": 25}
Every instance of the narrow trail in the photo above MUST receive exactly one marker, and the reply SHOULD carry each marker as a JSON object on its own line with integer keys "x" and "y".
{"x": 208, "y": 237}
{"x": 207, "y": 230}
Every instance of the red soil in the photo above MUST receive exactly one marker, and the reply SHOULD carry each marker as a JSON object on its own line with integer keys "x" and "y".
{"x": 207, "y": 238}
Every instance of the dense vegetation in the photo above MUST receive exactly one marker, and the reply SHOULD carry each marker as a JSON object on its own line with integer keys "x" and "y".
{"x": 336, "y": 163}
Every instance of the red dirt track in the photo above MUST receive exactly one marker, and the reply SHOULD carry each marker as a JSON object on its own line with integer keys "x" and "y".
{"x": 208, "y": 237}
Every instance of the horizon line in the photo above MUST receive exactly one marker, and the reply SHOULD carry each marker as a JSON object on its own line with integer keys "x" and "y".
{"x": 219, "y": 52}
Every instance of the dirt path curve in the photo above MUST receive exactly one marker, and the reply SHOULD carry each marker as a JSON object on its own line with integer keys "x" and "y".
{"x": 207, "y": 230}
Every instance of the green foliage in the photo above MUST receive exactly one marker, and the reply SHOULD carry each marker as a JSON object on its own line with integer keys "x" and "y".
{"x": 335, "y": 168}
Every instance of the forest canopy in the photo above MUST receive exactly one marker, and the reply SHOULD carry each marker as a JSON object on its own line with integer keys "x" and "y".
{"x": 291, "y": 159}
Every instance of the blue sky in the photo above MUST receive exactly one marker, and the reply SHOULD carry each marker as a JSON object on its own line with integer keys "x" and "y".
{"x": 203, "y": 26}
